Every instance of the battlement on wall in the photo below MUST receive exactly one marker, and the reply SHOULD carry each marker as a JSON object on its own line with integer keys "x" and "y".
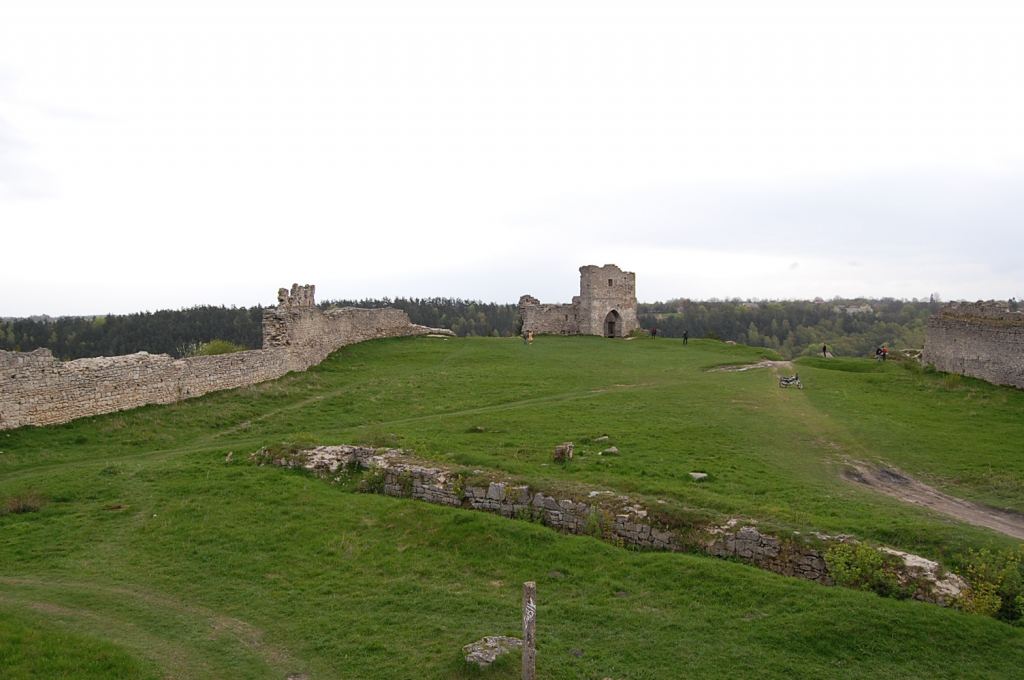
{"x": 982, "y": 309}
{"x": 298, "y": 296}
{"x": 37, "y": 389}
{"x": 981, "y": 339}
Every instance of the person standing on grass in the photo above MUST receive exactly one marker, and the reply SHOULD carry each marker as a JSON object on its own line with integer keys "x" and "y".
{"x": 529, "y": 337}
{"x": 686, "y": 336}
{"x": 654, "y": 332}
{"x": 824, "y": 351}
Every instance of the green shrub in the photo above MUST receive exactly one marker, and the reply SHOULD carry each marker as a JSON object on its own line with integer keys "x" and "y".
{"x": 405, "y": 483}
{"x": 861, "y": 567}
{"x": 373, "y": 482}
{"x": 997, "y": 584}
{"x": 595, "y": 524}
{"x": 214, "y": 347}
{"x": 981, "y": 599}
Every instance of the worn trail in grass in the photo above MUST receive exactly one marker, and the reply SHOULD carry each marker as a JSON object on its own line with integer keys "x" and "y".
{"x": 839, "y": 448}
{"x": 116, "y": 610}
{"x": 960, "y": 435}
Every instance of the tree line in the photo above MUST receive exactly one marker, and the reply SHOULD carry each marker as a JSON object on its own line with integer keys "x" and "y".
{"x": 176, "y": 332}
{"x": 184, "y": 332}
{"x": 796, "y": 327}
{"x": 791, "y": 327}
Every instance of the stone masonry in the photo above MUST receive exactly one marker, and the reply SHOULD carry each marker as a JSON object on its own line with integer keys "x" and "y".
{"x": 606, "y": 306}
{"x": 398, "y": 474}
{"x": 37, "y": 389}
{"x": 981, "y": 339}
{"x": 604, "y": 514}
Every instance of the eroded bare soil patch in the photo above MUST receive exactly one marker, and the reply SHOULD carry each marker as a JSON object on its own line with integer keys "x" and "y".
{"x": 774, "y": 365}
{"x": 899, "y": 485}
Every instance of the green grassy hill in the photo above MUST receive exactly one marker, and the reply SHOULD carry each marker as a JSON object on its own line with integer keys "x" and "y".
{"x": 152, "y": 557}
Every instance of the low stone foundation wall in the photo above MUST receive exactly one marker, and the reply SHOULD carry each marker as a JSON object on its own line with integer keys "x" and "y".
{"x": 606, "y": 515}
{"x": 393, "y": 473}
{"x": 768, "y": 552}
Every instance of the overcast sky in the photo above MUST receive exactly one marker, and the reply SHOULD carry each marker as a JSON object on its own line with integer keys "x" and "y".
{"x": 168, "y": 154}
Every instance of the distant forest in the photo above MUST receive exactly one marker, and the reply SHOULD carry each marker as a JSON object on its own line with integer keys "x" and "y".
{"x": 174, "y": 332}
{"x": 796, "y": 327}
{"x": 791, "y": 327}
{"x": 181, "y": 332}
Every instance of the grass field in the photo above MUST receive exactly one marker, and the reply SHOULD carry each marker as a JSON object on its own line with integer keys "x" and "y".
{"x": 152, "y": 557}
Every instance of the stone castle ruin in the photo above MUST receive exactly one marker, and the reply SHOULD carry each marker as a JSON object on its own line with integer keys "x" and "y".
{"x": 37, "y": 389}
{"x": 606, "y": 306}
{"x": 980, "y": 339}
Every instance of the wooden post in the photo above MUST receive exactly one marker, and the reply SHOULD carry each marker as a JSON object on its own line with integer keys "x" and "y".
{"x": 529, "y": 630}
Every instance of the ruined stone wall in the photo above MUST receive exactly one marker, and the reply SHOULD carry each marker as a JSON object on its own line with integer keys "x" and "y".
{"x": 606, "y": 293}
{"x": 983, "y": 340}
{"x": 613, "y": 517}
{"x": 605, "y": 515}
{"x": 551, "y": 319}
{"x": 37, "y": 389}
{"x": 403, "y": 476}
{"x": 310, "y": 335}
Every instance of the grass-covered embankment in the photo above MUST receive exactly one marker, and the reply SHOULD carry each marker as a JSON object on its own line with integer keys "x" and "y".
{"x": 150, "y": 550}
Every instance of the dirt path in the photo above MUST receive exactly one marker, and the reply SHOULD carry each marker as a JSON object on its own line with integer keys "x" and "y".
{"x": 889, "y": 480}
{"x": 892, "y": 482}
{"x": 774, "y": 365}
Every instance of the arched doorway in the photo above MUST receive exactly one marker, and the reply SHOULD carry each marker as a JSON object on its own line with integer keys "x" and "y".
{"x": 613, "y": 325}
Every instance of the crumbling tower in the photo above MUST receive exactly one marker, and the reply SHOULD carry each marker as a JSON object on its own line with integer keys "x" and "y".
{"x": 606, "y": 306}
{"x": 281, "y": 323}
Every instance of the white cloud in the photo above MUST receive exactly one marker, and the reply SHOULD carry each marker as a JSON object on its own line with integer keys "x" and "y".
{"x": 208, "y": 152}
